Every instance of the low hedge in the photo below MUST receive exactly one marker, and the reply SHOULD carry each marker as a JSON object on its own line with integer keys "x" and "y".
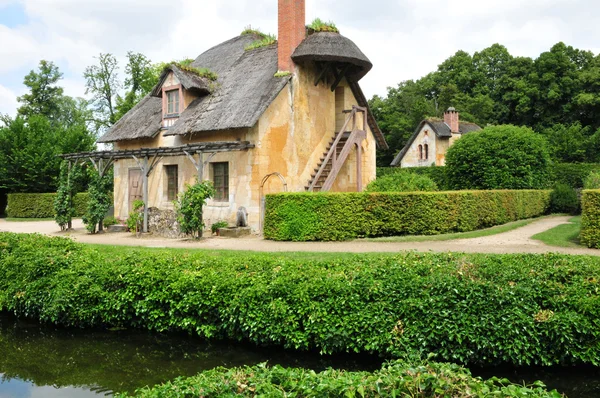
{"x": 343, "y": 216}
{"x": 590, "y": 220}
{"x": 437, "y": 174}
{"x": 396, "y": 379}
{"x": 469, "y": 309}
{"x": 40, "y": 205}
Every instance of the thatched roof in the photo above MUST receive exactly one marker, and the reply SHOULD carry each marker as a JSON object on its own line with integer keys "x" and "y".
{"x": 245, "y": 87}
{"x": 143, "y": 121}
{"x": 191, "y": 81}
{"x": 441, "y": 130}
{"x": 333, "y": 47}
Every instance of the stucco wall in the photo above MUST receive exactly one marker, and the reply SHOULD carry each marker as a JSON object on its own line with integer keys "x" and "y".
{"x": 290, "y": 137}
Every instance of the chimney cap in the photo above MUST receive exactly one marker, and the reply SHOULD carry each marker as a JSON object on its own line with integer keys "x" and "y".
{"x": 451, "y": 109}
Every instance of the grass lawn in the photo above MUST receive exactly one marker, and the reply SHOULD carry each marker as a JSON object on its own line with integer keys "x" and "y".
{"x": 566, "y": 235}
{"x": 461, "y": 235}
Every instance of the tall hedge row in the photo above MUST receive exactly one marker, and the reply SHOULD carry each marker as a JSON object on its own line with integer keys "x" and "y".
{"x": 40, "y": 205}
{"x": 472, "y": 309}
{"x": 572, "y": 174}
{"x": 590, "y": 220}
{"x": 343, "y": 216}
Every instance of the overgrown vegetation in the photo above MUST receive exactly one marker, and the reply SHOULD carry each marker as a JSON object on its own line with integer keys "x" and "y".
{"x": 343, "y": 216}
{"x": 590, "y": 220}
{"x": 592, "y": 181}
{"x": 189, "y": 207}
{"x": 499, "y": 157}
{"x": 64, "y": 209}
{"x": 100, "y": 200}
{"x": 41, "y": 205}
{"x": 471, "y": 309}
{"x": 135, "y": 220}
{"x": 403, "y": 182}
{"x": 395, "y": 379}
{"x": 265, "y": 41}
{"x": 318, "y": 25}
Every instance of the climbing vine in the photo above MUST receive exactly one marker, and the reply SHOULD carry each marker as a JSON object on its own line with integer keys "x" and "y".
{"x": 189, "y": 207}
{"x": 64, "y": 210}
{"x": 100, "y": 199}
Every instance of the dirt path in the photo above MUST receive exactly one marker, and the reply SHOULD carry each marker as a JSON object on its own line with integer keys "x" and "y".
{"x": 516, "y": 241}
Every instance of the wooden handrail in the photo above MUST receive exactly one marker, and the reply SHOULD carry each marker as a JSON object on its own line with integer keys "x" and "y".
{"x": 332, "y": 154}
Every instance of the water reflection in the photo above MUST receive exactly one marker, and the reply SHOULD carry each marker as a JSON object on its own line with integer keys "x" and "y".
{"x": 40, "y": 361}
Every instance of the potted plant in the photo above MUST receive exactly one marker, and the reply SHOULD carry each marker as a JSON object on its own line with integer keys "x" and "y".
{"x": 219, "y": 224}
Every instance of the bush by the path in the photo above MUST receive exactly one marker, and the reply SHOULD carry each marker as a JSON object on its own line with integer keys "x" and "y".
{"x": 472, "y": 309}
{"x": 40, "y": 205}
{"x": 564, "y": 199}
{"x": 403, "y": 182}
{"x": 437, "y": 174}
{"x": 590, "y": 220}
{"x": 343, "y": 216}
{"x": 396, "y": 379}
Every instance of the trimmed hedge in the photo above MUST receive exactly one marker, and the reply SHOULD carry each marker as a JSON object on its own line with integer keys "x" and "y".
{"x": 396, "y": 379}
{"x": 343, "y": 216}
{"x": 590, "y": 220}
{"x": 472, "y": 309}
{"x": 40, "y": 205}
{"x": 572, "y": 174}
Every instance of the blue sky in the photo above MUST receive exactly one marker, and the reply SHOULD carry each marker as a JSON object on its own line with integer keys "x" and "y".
{"x": 405, "y": 39}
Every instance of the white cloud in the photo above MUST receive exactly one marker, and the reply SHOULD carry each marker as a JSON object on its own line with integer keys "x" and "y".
{"x": 8, "y": 101}
{"x": 405, "y": 39}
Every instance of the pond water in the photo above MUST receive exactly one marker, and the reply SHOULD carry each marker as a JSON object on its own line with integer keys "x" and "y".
{"x": 40, "y": 361}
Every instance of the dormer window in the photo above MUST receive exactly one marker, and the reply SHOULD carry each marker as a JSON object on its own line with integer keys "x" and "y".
{"x": 173, "y": 102}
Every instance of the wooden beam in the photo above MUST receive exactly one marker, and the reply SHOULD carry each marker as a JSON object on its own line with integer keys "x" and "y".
{"x": 339, "y": 77}
{"x": 145, "y": 188}
{"x": 323, "y": 73}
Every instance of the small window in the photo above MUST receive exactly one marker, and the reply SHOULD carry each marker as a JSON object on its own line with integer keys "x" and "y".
{"x": 426, "y": 149}
{"x": 173, "y": 102}
{"x": 221, "y": 181}
{"x": 420, "y": 152}
{"x": 172, "y": 182}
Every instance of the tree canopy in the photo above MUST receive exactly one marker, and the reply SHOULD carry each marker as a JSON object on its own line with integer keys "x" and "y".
{"x": 560, "y": 87}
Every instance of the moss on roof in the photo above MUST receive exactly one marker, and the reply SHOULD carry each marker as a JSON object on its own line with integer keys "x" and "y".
{"x": 264, "y": 40}
{"x": 318, "y": 25}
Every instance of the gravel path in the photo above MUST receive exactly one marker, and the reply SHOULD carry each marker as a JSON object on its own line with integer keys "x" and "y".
{"x": 516, "y": 241}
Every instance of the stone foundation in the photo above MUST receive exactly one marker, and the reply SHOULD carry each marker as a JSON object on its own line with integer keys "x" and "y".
{"x": 164, "y": 223}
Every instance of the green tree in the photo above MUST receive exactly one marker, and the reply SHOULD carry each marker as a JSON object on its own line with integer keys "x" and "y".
{"x": 141, "y": 79}
{"x": 102, "y": 83}
{"x": 45, "y": 96}
{"x": 499, "y": 157}
{"x": 189, "y": 207}
{"x": 99, "y": 202}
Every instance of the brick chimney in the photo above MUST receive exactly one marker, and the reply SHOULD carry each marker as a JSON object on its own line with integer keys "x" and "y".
{"x": 452, "y": 120}
{"x": 292, "y": 30}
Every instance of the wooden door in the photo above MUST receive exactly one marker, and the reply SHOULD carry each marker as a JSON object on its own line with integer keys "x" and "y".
{"x": 135, "y": 187}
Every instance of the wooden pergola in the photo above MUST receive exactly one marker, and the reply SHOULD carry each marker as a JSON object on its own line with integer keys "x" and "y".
{"x": 148, "y": 158}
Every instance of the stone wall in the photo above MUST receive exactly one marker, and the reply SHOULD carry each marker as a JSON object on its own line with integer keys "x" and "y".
{"x": 163, "y": 223}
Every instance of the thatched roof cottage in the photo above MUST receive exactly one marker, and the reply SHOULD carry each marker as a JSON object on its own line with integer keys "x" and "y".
{"x": 291, "y": 109}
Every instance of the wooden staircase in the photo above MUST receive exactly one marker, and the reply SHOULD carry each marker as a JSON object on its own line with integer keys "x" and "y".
{"x": 337, "y": 152}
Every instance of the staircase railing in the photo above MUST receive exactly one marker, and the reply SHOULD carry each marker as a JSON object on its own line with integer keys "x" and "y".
{"x": 338, "y": 159}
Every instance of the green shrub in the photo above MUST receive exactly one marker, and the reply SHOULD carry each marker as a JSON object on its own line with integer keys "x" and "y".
{"x": 564, "y": 199}
{"x": 590, "y": 220}
{"x": 40, "y": 205}
{"x": 135, "y": 220}
{"x": 402, "y": 182}
{"x": 189, "y": 207}
{"x": 592, "y": 181}
{"x": 318, "y": 25}
{"x": 218, "y": 225}
{"x": 343, "y": 216}
{"x": 110, "y": 221}
{"x": 472, "y": 309}
{"x": 499, "y": 157}
{"x": 572, "y": 174}
{"x": 437, "y": 174}
{"x": 395, "y": 379}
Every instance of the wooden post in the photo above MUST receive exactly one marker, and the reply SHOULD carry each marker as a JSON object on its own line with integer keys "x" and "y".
{"x": 70, "y": 223}
{"x": 145, "y": 187}
{"x": 359, "y": 185}
{"x": 200, "y": 166}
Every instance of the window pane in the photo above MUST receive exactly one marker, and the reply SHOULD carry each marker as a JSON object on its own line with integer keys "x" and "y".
{"x": 221, "y": 181}
{"x": 172, "y": 182}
